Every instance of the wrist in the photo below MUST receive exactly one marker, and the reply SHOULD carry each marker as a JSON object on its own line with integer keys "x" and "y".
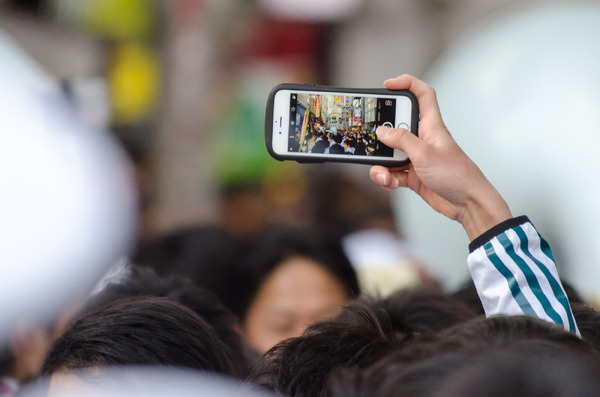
{"x": 483, "y": 212}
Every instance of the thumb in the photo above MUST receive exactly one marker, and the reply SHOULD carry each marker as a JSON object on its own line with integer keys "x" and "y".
{"x": 399, "y": 138}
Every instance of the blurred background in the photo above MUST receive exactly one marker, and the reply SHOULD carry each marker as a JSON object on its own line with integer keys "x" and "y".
{"x": 183, "y": 85}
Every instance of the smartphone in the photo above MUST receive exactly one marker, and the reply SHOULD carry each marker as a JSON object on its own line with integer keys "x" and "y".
{"x": 313, "y": 124}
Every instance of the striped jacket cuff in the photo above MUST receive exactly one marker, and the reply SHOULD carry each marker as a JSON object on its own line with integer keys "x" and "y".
{"x": 515, "y": 273}
{"x": 496, "y": 230}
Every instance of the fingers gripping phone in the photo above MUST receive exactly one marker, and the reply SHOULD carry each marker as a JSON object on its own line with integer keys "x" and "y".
{"x": 312, "y": 124}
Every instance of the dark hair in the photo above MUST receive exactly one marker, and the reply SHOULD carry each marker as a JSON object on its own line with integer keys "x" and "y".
{"x": 194, "y": 251}
{"x": 510, "y": 373}
{"x": 336, "y": 149}
{"x": 520, "y": 332}
{"x": 467, "y": 293}
{"x": 301, "y": 366}
{"x": 421, "y": 367}
{"x": 482, "y": 372}
{"x": 142, "y": 281}
{"x": 360, "y": 148}
{"x": 277, "y": 244}
{"x": 499, "y": 331}
{"x": 320, "y": 146}
{"x": 140, "y": 330}
{"x": 588, "y": 322}
{"x": 350, "y": 141}
{"x": 421, "y": 309}
{"x": 392, "y": 377}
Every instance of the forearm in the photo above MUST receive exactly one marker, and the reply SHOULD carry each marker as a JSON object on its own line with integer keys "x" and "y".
{"x": 483, "y": 209}
{"x": 514, "y": 273}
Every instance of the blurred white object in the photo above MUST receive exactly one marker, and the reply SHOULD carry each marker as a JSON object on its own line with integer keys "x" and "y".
{"x": 68, "y": 205}
{"x": 382, "y": 261}
{"x": 135, "y": 381}
{"x": 311, "y": 10}
{"x": 520, "y": 93}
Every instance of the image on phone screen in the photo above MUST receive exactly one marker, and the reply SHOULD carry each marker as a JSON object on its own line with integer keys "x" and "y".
{"x": 339, "y": 124}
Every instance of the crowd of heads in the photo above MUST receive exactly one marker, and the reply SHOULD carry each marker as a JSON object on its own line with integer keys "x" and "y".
{"x": 283, "y": 313}
{"x": 356, "y": 141}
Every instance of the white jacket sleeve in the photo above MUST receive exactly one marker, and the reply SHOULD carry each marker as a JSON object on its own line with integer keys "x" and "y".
{"x": 514, "y": 273}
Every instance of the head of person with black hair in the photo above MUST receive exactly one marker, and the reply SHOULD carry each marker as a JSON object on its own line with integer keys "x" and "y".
{"x": 320, "y": 146}
{"x": 301, "y": 366}
{"x": 423, "y": 309}
{"x": 290, "y": 278}
{"x": 143, "y": 281}
{"x": 490, "y": 371}
{"x": 194, "y": 251}
{"x": 141, "y": 330}
{"x": 336, "y": 149}
{"x": 501, "y": 331}
{"x": 349, "y": 145}
{"x": 528, "y": 374}
{"x": 524, "y": 334}
{"x": 336, "y": 144}
{"x": 421, "y": 367}
{"x": 361, "y": 148}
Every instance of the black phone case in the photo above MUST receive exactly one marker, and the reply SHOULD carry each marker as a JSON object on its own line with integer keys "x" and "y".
{"x": 349, "y": 159}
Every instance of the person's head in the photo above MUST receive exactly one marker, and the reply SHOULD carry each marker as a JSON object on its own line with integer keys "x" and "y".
{"x": 292, "y": 277}
{"x": 421, "y": 367}
{"x": 195, "y": 251}
{"x": 528, "y": 374}
{"x": 360, "y": 147}
{"x": 320, "y": 146}
{"x": 336, "y": 149}
{"x": 544, "y": 369}
{"x": 524, "y": 333}
{"x": 502, "y": 331}
{"x": 301, "y": 366}
{"x": 143, "y": 281}
{"x": 422, "y": 309}
{"x": 141, "y": 330}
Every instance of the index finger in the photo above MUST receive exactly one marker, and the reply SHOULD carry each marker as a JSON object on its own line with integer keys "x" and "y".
{"x": 428, "y": 104}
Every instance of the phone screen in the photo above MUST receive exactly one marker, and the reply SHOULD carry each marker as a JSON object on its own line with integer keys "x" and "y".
{"x": 339, "y": 124}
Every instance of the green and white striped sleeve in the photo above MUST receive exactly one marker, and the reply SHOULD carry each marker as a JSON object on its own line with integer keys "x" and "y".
{"x": 514, "y": 272}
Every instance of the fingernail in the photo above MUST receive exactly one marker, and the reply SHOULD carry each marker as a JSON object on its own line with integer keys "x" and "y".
{"x": 383, "y": 131}
{"x": 381, "y": 178}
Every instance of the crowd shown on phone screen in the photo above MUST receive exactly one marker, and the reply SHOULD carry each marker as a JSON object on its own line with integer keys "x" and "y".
{"x": 356, "y": 142}
{"x": 294, "y": 310}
